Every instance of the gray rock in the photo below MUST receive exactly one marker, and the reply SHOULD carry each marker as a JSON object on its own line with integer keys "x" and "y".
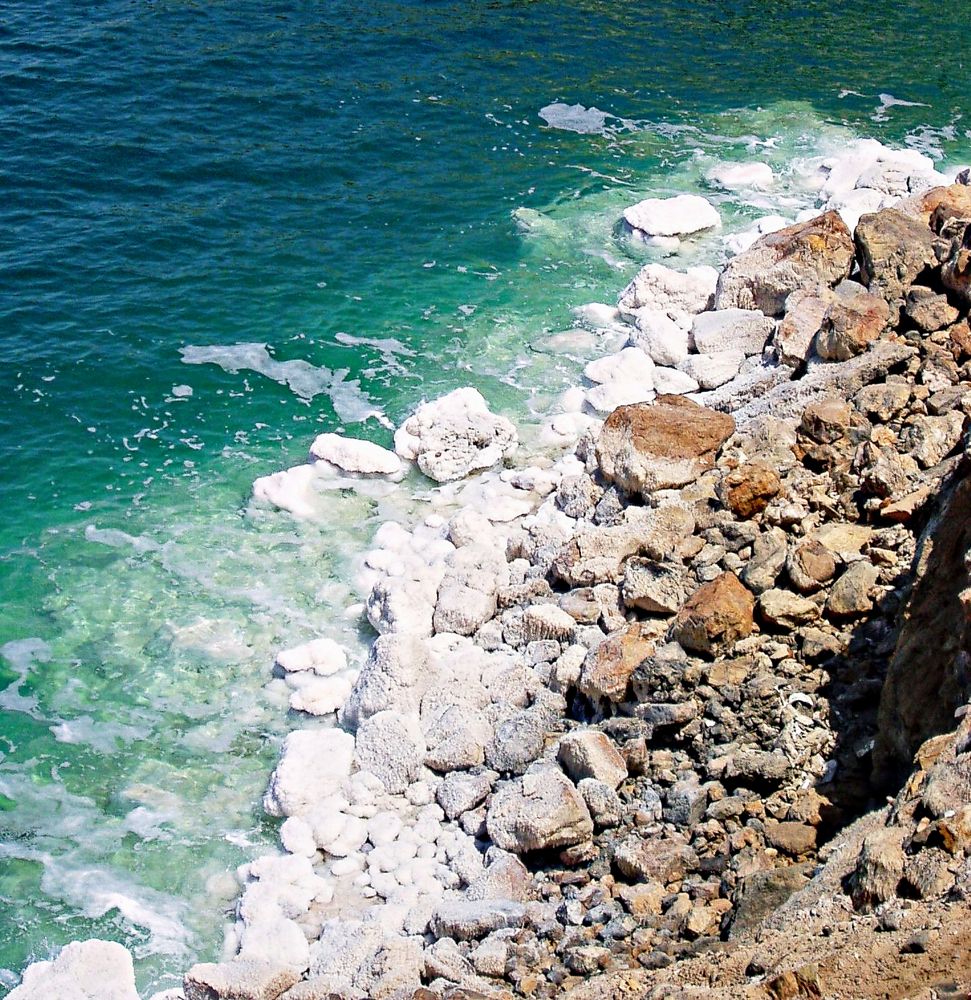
{"x": 469, "y": 919}
{"x": 852, "y": 593}
{"x": 745, "y": 330}
{"x": 461, "y": 791}
{"x": 588, "y": 753}
{"x": 658, "y": 588}
{"x": 603, "y": 802}
{"x": 685, "y": 803}
{"x": 392, "y": 747}
{"x": 518, "y": 741}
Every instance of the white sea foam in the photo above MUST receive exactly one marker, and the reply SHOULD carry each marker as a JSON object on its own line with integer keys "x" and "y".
{"x": 575, "y": 118}
{"x": 304, "y": 379}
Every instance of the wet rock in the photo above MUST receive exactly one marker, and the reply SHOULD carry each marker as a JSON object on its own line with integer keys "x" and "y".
{"x": 747, "y": 490}
{"x": 238, "y": 981}
{"x": 894, "y": 251}
{"x": 852, "y": 593}
{"x": 850, "y": 325}
{"x": 808, "y": 254}
{"x": 588, "y": 753}
{"x": 539, "y": 811}
{"x": 608, "y": 667}
{"x": 716, "y": 616}
{"x": 643, "y": 448}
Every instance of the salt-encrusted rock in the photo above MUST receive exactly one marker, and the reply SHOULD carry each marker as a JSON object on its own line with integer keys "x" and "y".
{"x": 318, "y": 695}
{"x": 547, "y": 621}
{"x": 713, "y": 370}
{"x": 313, "y": 763}
{"x": 588, "y": 753}
{"x": 662, "y": 288}
{"x": 321, "y": 656}
{"x": 849, "y": 326}
{"x": 894, "y": 250}
{"x": 394, "y": 676}
{"x": 238, "y": 980}
{"x": 745, "y": 330}
{"x": 505, "y": 877}
{"x": 455, "y": 435}
{"x": 631, "y": 364}
{"x": 461, "y": 791}
{"x": 605, "y": 398}
{"x": 356, "y": 456}
{"x": 608, "y": 666}
{"x": 517, "y": 742}
{"x": 392, "y": 747}
{"x": 343, "y": 949}
{"x": 678, "y": 216}
{"x": 398, "y": 605}
{"x": 658, "y": 588}
{"x": 748, "y": 489}
{"x": 469, "y": 919}
{"x": 882, "y": 401}
{"x": 852, "y": 594}
{"x": 643, "y": 448}
{"x": 786, "y": 610}
{"x": 715, "y": 617}
{"x": 456, "y": 735}
{"x": 462, "y": 609}
{"x": 736, "y": 176}
{"x": 274, "y": 938}
{"x": 83, "y": 970}
{"x": 671, "y": 381}
{"x": 540, "y": 811}
{"x": 663, "y": 340}
{"x": 817, "y": 252}
{"x": 796, "y": 332}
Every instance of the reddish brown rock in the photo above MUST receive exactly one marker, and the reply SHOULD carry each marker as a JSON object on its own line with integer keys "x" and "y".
{"x": 960, "y": 335}
{"x": 850, "y": 325}
{"x": 949, "y": 202}
{"x": 817, "y": 252}
{"x": 956, "y": 268}
{"x": 805, "y": 309}
{"x": 716, "y": 616}
{"x": 795, "y": 839}
{"x": 827, "y": 420}
{"x": 810, "y": 565}
{"x": 608, "y": 666}
{"x": 661, "y": 445}
{"x": 748, "y": 489}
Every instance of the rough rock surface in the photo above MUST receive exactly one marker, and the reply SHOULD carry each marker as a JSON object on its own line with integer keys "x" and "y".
{"x": 83, "y": 970}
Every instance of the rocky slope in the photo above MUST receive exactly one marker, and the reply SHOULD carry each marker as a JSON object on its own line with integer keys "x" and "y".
{"x": 628, "y": 706}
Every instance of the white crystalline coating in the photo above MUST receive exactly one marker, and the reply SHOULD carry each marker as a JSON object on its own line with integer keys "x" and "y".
{"x": 741, "y": 241}
{"x": 303, "y": 378}
{"x": 735, "y": 176}
{"x": 575, "y": 118}
{"x": 353, "y": 455}
{"x": 606, "y": 398}
{"x": 312, "y": 765}
{"x": 673, "y": 381}
{"x": 319, "y": 695}
{"x": 84, "y": 970}
{"x": 454, "y": 435}
{"x": 323, "y": 656}
{"x": 663, "y": 288}
{"x": 181, "y": 391}
{"x": 731, "y": 329}
{"x": 630, "y": 365}
{"x": 660, "y": 337}
{"x": 596, "y": 315}
{"x": 678, "y": 216}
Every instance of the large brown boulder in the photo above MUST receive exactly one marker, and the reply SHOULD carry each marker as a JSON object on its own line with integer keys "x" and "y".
{"x": 929, "y": 676}
{"x": 661, "y": 445}
{"x": 850, "y": 325}
{"x": 894, "y": 251}
{"x": 956, "y": 268}
{"x": 817, "y": 252}
{"x": 715, "y": 617}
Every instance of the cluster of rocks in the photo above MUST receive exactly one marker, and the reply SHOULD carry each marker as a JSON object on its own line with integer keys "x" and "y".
{"x": 621, "y": 697}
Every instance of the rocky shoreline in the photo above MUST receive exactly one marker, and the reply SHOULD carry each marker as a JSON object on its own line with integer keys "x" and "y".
{"x": 624, "y": 697}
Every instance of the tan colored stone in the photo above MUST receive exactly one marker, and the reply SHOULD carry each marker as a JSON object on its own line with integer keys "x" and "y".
{"x": 850, "y": 325}
{"x": 894, "y": 250}
{"x": 715, "y": 617}
{"x": 661, "y": 445}
{"x": 609, "y": 665}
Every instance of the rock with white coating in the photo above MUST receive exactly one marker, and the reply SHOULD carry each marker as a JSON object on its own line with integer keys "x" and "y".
{"x": 662, "y": 339}
{"x": 469, "y": 919}
{"x": 603, "y": 399}
{"x": 313, "y": 763}
{"x": 673, "y": 382}
{"x": 318, "y": 695}
{"x": 745, "y": 330}
{"x": 238, "y": 980}
{"x": 630, "y": 364}
{"x": 735, "y": 176}
{"x": 356, "y": 456}
{"x": 712, "y": 370}
{"x": 663, "y": 288}
{"x": 344, "y": 947}
{"x": 588, "y": 753}
{"x": 539, "y": 811}
{"x": 84, "y": 970}
{"x": 678, "y": 216}
{"x": 394, "y": 676}
{"x": 455, "y": 435}
{"x": 740, "y": 242}
{"x": 321, "y": 656}
{"x": 392, "y": 747}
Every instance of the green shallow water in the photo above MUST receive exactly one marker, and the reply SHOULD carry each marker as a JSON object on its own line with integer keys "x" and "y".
{"x": 336, "y": 182}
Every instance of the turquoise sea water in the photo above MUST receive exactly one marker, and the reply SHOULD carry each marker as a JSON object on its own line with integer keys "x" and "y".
{"x": 315, "y": 201}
